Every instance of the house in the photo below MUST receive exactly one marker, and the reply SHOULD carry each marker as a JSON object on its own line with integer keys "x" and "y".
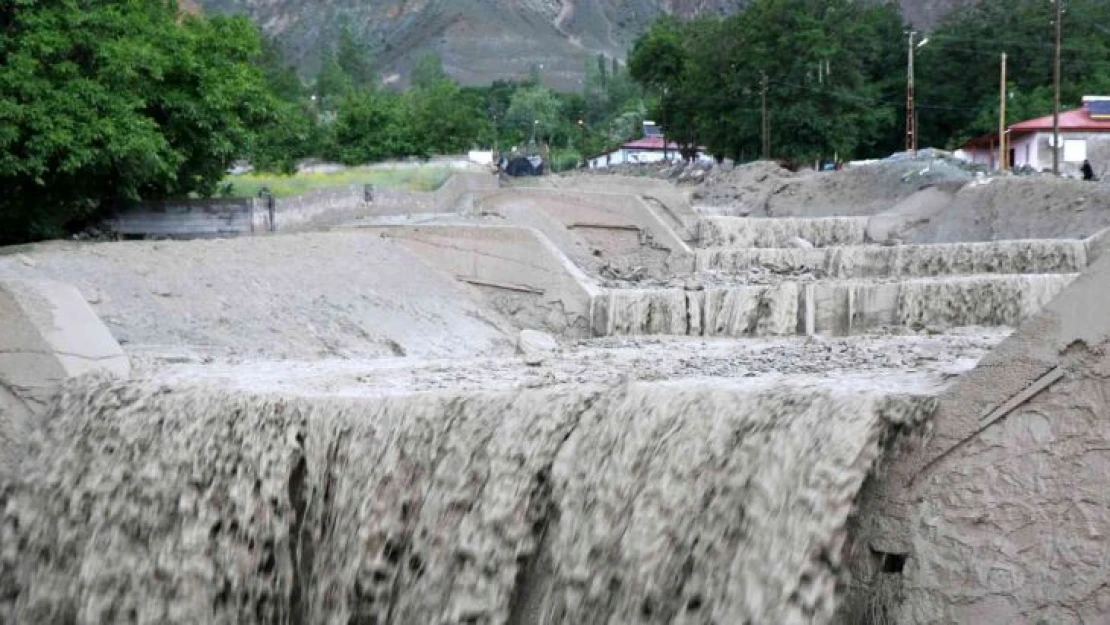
{"x": 1084, "y": 134}
{"x": 648, "y": 149}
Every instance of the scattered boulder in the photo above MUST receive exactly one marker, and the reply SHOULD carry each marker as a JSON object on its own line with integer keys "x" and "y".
{"x": 800, "y": 244}
{"x": 536, "y": 346}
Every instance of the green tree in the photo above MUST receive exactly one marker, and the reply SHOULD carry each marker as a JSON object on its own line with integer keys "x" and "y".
{"x": 534, "y": 111}
{"x": 371, "y": 126}
{"x": 293, "y": 133}
{"x": 353, "y": 57}
{"x": 658, "y": 58}
{"x": 823, "y": 65}
{"x": 280, "y": 74}
{"x": 332, "y": 83}
{"x": 116, "y": 101}
{"x": 446, "y": 120}
{"x": 428, "y": 70}
{"x": 957, "y": 75}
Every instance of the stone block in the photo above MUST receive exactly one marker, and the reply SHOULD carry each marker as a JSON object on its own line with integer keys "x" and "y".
{"x": 49, "y": 334}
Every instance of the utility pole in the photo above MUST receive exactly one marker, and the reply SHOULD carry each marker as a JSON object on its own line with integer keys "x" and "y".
{"x": 1002, "y": 153}
{"x": 911, "y": 117}
{"x": 766, "y": 121}
{"x": 1056, "y": 147}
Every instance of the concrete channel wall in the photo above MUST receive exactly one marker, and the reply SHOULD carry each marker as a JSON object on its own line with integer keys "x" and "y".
{"x": 519, "y": 271}
{"x": 620, "y": 227}
{"x": 1000, "y": 512}
{"x": 314, "y": 210}
{"x": 187, "y": 218}
{"x": 48, "y": 334}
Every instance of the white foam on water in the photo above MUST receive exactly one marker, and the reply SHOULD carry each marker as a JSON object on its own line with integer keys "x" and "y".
{"x": 1007, "y": 257}
{"x": 976, "y": 301}
{"x": 732, "y": 311}
{"x": 779, "y": 233}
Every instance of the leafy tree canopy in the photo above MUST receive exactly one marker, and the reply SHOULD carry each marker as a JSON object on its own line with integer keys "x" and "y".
{"x": 118, "y": 100}
{"x": 958, "y": 71}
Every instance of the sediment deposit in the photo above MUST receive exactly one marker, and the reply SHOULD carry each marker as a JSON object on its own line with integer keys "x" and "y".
{"x": 334, "y": 427}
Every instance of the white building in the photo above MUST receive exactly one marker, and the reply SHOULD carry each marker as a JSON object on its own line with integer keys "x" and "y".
{"x": 652, "y": 148}
{"x": 1084, "y": 135}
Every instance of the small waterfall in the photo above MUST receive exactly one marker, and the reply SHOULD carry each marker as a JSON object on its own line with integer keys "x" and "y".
{"x": 1008, "y": 257}
{"x": 751, "y": 311}
{"x": 997, "y": 301}
{"x": 732, "y": 311}
{"x": 834, "y": 307}
{"x": 646, "y": 311}
{"x": 776, "y": 233}
{"x": 652, "y": 503}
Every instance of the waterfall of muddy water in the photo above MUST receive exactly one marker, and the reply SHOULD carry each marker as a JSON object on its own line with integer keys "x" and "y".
{"x": 745, "y": 232}
{"x": 1017, "y": 256}
{"x": 961, "y": 301}
{"x": 685, "y": 502}
{"x": 999, "y": 301}
{"x": 732, "y": 311}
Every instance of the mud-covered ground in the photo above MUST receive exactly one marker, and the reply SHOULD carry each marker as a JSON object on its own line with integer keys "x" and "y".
{"x": 935, "y": 358}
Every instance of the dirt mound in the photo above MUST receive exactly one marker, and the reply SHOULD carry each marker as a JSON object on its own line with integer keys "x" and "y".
{"x": 741, "y": 190}
{"x": 764, "y": 189}
{"x": 1019, "y": 207}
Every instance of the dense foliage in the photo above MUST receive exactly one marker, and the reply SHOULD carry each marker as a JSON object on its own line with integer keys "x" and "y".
{"x": 822, "y": 65}
{"x": 958, "y": 71}
{"x": 833, "y": 72}
{"x": 107, "y": 102}
{"x": 116, "y": 100}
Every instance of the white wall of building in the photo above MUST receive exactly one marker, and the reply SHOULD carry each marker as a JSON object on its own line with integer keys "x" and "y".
{"x": 623, "y": 156}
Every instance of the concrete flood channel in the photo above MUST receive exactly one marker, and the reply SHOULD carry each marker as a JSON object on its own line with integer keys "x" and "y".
{"x": 709, "y": 455}
{"x": 840, "y": 285}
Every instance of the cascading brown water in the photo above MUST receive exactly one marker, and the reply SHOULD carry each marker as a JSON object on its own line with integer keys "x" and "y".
{"x": 679, "y": 502}
{"x": 1012, "y": 257}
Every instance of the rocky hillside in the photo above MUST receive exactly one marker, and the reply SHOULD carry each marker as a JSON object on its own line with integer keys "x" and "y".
{"x": 481, "y": 40}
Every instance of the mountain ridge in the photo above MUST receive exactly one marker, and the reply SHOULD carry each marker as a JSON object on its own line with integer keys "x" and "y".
{"x": 484, "y": 40}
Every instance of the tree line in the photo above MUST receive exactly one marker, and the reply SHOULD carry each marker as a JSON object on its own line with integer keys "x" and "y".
{"x": 831, "y": 74}
{"x": 345, "y": 114}
{"x": 107, "y": 103}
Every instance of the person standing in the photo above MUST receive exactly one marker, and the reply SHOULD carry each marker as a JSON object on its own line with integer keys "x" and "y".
{"x": 1088, "y": 171}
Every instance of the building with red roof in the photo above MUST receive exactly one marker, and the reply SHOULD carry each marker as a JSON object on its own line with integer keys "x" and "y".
{"x": 1084, "y": 135}
{"x": 652, "y": 148}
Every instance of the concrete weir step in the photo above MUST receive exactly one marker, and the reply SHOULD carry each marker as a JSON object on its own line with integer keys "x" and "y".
{"x": 867, "y": 261}
{"x": 826, "y": 307}
{"x": 741, "y": 232}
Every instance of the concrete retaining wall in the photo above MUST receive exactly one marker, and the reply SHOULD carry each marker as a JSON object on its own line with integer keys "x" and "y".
{"x": 1001, "y": 513}
{"x": 621, "y": 229}
{"x": 48, "y": 334}
{"x": 522, "y": 274}
{"x": 309, "y": 211}
{"x": 187, "y": 218}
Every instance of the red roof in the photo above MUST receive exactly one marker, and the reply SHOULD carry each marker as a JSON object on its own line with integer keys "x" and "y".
{"x": 1077, "y": 120}
{"x": 650, "y": 143}
{"x": 653, "y": 143}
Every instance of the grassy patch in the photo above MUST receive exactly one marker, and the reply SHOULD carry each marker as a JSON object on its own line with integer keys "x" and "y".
{"x": 408, "y": 178}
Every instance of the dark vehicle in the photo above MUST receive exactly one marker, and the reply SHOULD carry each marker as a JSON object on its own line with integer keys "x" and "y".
{"x": 525, "y": 166}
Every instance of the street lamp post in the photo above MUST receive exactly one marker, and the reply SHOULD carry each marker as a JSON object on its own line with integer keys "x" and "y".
{"x": 1056, "y": 90}
{"x": 582, "y": 144}
{"x": 911, "y": 113}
